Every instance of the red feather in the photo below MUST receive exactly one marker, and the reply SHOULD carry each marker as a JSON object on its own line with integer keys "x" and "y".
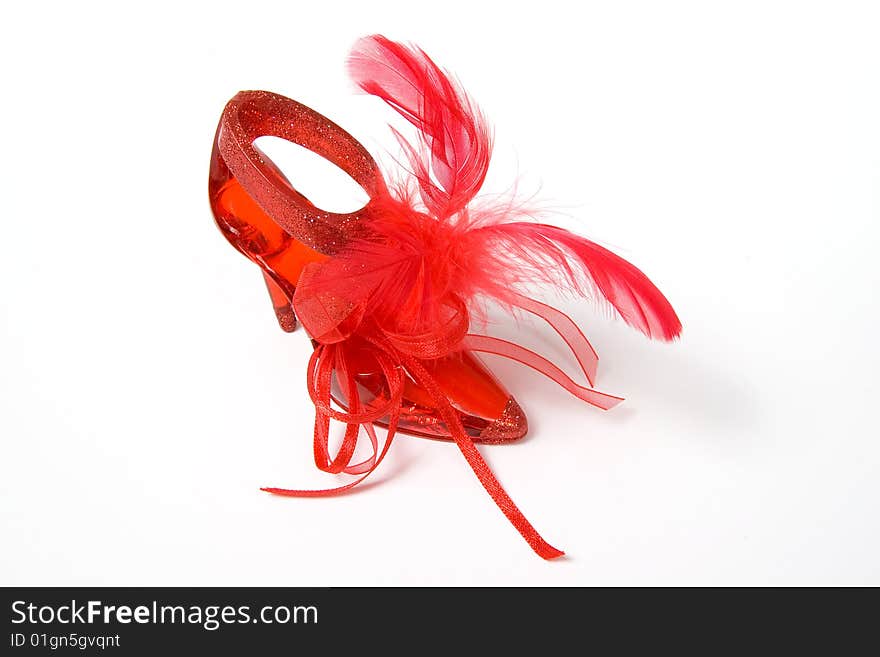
{"x": 554, "y": 255}
{"x": 455, "y": 142}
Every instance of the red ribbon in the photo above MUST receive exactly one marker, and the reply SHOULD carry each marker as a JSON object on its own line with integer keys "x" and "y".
{"x": 331, "y": 357}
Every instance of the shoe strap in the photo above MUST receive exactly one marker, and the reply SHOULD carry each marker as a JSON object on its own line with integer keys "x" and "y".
{"x": 253, "y": 114}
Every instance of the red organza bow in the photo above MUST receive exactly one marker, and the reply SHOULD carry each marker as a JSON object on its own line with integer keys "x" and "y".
{"x": 404, "y": 292}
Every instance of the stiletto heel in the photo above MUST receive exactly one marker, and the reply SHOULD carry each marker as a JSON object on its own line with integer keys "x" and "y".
{"x": 282, "y": 304}
{"x": 263, "y": 216}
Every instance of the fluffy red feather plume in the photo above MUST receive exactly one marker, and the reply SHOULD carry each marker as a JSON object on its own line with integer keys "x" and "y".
{"x": 455, "y": 143}
{"x": 414, "y": 267}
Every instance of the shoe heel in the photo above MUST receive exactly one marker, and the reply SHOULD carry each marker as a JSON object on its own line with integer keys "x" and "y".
{"x": 282, "y": 305}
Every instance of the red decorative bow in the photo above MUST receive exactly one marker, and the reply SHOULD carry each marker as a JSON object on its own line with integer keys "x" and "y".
{"x": 404, "y": 292}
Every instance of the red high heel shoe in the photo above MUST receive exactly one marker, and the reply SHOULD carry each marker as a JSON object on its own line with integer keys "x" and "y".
{"x": 266, "y": 219}
{"x": 386, "y": 293}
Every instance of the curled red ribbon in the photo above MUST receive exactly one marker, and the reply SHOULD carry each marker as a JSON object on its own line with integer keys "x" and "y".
{"x": 330, "y": 358}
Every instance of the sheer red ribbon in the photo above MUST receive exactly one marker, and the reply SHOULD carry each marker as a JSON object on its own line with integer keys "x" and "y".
{"x": 395, "y": 364}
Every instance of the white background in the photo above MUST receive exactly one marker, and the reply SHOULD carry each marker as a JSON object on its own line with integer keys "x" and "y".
{"x": 146, "y": 392}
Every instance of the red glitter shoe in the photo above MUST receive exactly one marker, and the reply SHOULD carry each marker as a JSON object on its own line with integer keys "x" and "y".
{"x": 387, "y": 293}
{"x": 263, "y": 216}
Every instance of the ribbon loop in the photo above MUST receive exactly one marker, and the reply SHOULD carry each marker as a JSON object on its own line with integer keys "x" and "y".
{"x": 439, "y": 341}
{"x": 393, "y": 353}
